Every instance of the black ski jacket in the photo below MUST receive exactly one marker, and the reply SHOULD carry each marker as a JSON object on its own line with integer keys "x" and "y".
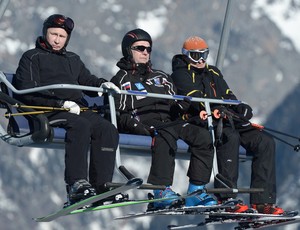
{"x": 141, "y": 77}
{"x": 42, "y": 66}
{"x": 207, "y": 82}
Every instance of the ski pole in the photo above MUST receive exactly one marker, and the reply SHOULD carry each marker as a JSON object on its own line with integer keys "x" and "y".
{"x": 45, "y": 107}
{"x": 265, "y": 129}
{"x": 8, "y": 115}
{"x": 296, "y": 147}
{"x": 173, "y": 123}
{"x": 279, "y": 132}
{"x": 37, "y": 112}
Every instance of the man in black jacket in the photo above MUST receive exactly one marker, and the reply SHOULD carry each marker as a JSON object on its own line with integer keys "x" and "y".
{"x": 194, "y": 77}
{"x": 139, "y": 113}
{"x": 50, "y": 63}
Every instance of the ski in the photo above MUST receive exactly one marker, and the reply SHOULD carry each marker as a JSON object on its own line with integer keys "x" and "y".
{"x": 268, "y": 222}
{"x": 116, "y": 205}
{"x": 178, "y": 203}
{"x": 131, "y": 184}
{"x": 193, "y": 210}
{"x": 244, "y": 220}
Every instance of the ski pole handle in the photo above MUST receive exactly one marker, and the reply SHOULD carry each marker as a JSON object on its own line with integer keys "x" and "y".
{"x": 203, "y": 115}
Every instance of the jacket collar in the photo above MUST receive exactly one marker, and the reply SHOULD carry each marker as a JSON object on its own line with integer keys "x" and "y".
{"x": 44, "y": 45}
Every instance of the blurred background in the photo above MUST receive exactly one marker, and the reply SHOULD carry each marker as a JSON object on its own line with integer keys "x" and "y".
{"x": 261, "y": 66}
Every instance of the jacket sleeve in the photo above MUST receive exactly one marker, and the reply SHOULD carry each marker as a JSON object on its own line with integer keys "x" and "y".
{"x": 124, "y": 104}
{"x": 185, "y": 86}
{"x": 27, "y": 76}
{"x": 121, "y": 103}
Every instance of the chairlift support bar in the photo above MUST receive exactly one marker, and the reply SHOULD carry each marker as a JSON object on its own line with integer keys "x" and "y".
{"x": 113, "y": 109}
{"x": 3, "y": 6}
{"x": 224, "y": 35}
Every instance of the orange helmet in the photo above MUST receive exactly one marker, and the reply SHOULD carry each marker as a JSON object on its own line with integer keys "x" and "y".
{"x": 195, "y": 48}
{"x": 194, "y": 43}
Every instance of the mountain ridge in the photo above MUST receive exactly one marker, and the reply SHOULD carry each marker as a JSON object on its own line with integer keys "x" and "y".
{"x": 260, "y": 66}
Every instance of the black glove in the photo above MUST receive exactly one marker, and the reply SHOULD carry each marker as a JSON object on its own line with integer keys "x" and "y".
{"x": 137, "y": 127}
{"x": 244, "y": 111}
{"x": 221, "y": 109}
{"x": 198, "y": 121}
{"x": 184, "y": 104}
{"x": 229, "y": 96}
{"x": 178, "y": 108}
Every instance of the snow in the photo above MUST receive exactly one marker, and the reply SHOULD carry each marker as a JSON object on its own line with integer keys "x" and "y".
{"x": 6, "y": 204}
{"x": 283, "y": 13}
{"x": 154, "y": 22}
{"x": 36, "y": 157}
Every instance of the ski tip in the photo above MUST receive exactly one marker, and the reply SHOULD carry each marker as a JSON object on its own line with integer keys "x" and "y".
{"x": 290, "y": 213}
{"x": 38, "y": 219}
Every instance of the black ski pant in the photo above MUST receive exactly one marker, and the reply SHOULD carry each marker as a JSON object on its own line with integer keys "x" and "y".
{"x": 84, "y": 132}
{"x": 164, "y": 148}
{"x": 263, "y": 174}
{"x": 228, "y": 161}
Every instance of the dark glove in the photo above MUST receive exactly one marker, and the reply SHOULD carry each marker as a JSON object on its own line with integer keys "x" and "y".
{"x": 137, "y": 127}
{"x": 229, "y": 96}
{"x": 178, "y": 108}
{"x": 184, "y": 104}
{"x": 244, "y": 111}
{"x": 198, "y": 121}
{"x": 219, "y": 111}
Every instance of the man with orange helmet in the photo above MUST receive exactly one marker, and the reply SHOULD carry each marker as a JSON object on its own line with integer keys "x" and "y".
{"x": 194, "y": 77}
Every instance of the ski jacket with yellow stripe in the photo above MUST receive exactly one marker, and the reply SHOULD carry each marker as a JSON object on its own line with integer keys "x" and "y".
{"x": 207, "y": 82}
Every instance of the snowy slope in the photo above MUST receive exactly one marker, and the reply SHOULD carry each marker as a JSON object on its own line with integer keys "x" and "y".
{"x": 261, "y": 67}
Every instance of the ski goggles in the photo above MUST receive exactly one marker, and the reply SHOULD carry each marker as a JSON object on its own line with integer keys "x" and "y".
{"x": 196, "y": 55}
{"x": 63, "y": 22}
{"x": 142, "y": 48}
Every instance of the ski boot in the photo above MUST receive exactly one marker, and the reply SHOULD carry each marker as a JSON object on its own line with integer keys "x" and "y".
{"x": 201, "y": 199}
{"x": 167, "y": 193}
{"x": 240, "y": 207}
{"x": 80, "y": 190}
{"x": 268, "y": 209}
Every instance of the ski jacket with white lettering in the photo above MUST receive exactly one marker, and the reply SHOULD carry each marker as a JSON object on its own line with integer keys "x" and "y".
{"x": 142, "y": 78}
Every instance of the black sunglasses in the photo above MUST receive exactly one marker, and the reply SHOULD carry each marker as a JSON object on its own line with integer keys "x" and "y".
{"x": 142, "y": 48}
